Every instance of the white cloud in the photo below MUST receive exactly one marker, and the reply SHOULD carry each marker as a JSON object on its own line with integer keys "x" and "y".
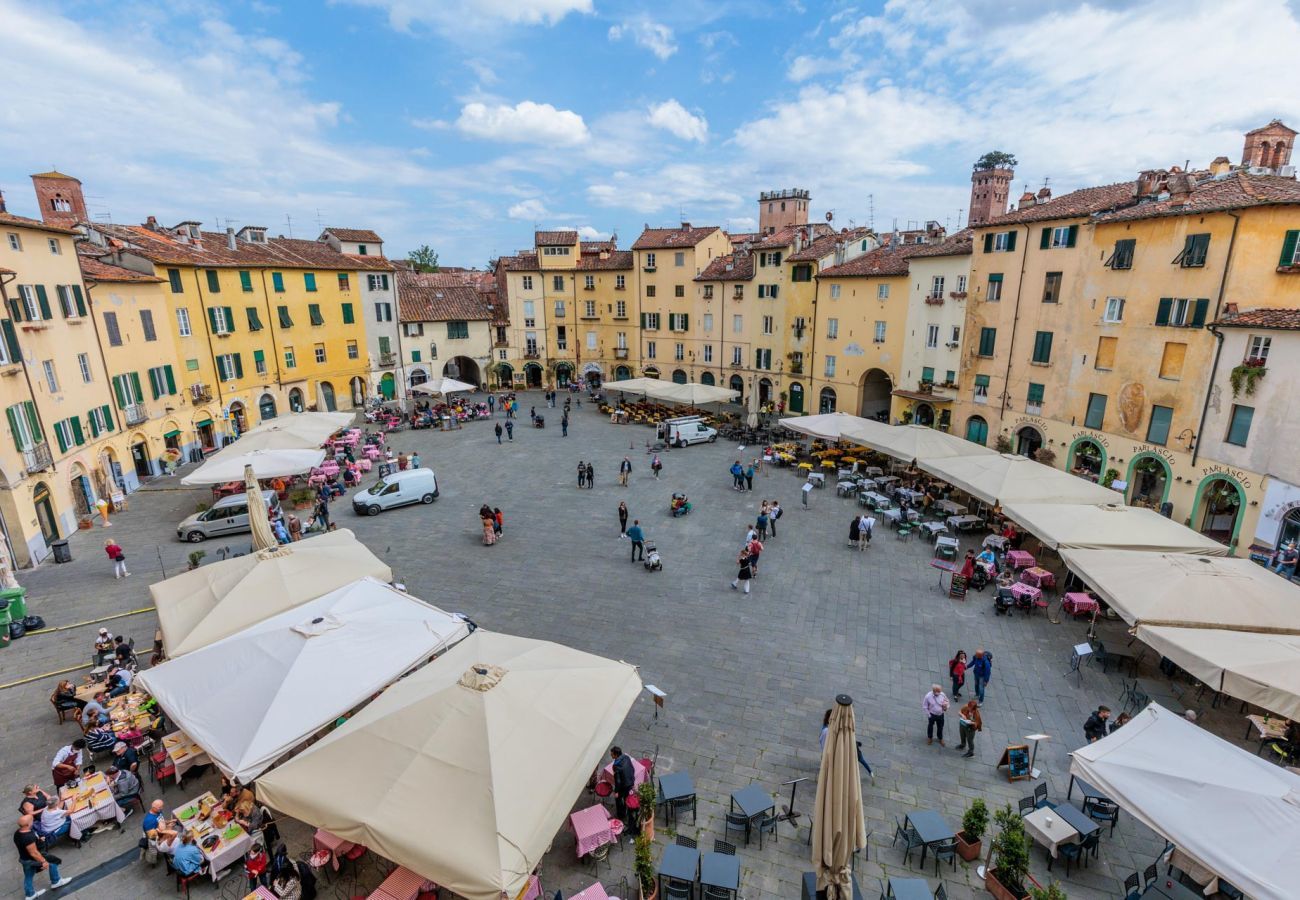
{"x": 524, "y": 123}
{"x": 804, "y": 67}
{"x": 742, "y": 223}
{"x": 474, "y": 15}
{"x": 531, "y": 209}
{"x": 674, "y": 187}
{"x": 672, "y": 117}
{"x": 651, "y": 35}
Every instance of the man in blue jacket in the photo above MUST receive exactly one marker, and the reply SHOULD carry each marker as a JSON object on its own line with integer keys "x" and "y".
{"x": 982, "y": 668}
{"x": 637, "y": 537}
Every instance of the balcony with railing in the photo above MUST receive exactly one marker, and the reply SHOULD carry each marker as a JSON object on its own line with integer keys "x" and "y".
{"x": 200, "y": 393}
{"x": 388, "y": 359}
{"x": 532, "y": 354}
{"x": 37, "y": 457}
{"x": 620, "y": 353}
{"x": 135, "y": 414}
{"x": 934, "y": 298}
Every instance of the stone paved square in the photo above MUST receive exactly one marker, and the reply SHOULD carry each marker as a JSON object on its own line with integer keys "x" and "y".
{"x": 747, "y": 677}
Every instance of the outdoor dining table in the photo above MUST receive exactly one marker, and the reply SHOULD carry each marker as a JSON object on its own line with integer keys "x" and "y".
{"x": 1075, "y": 603}
{"x": 1078, "y": 819}
{"x": 639, "y": 773}
{"x": 934, "y": 529}
{"x": 895, "y": 515}
{"x": 1086, "y": 789}
{"x": 873, "y": 471}
{"x": 1050, "y": 829}
{"x": 817, "y": 478}
{"x": 914, "y": 496}
{"x": 930, "y": 828}
{"x": 595, "y": 892}
{"x": 402, "y": 884}
{"x": 678, "y": 863}
{"x": 1037, "y": 576}
{"x": 672, "y": 787}
{"x": 951, "y": 507}
{"x": 532, "y": 890}
{"x": 261, "y": 894}
{"x": 943, "y": 541}
{"x": 227, "y": 851}
{"x": 1020, "y": 559}
{"x": 184, "y": 753}
{"x": 909, "y": 889}
{"x": 753, "y": 801}
{"x": 332, "y": 844}
{"x": 880, "y": 501}
{"x": 843, "y": 488}
{"x": 1206, "y": 878}
{"x": 1167, "y": 889}
{"x": 885, "y": 480}
{"x": 591, "y": 828}
{"x": 1271, "y": 729}
{"x": 964, "y": 522}
{"x": 996, "y": 540}
{"x": 720, "y": 870}
{"x": 1027, "y": 591}
{"x": 93, "y": 804}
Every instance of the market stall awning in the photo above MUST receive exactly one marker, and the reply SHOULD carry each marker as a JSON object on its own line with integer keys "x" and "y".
{"x": 829, "y": 426}
{"x": 216, "y": 600}
{"x": 228, "y": 464}
{"x": 465, "y": 770}
{"x": 914, "y": 442}
{"x": 672, "y": 392}
{"x": 250, "y": 698}
{"x": 442, "y": 386}
{"x": 1186, "y": 591}
{"x": 1007, "y": 478}
{"x": 1108, "y": 526}
{"x": 1234, "y": 813}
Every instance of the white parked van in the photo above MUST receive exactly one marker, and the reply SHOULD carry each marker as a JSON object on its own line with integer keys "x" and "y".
{"x": 229, "y": 515}
{"x": 397, "y": 489}
{"x": 686, "y": 430}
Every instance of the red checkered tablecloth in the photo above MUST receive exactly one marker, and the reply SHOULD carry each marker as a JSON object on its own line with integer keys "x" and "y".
{"x": 591, "y": 827}
{"x": 595, "y": 892}
{"x": 402, "y": 884}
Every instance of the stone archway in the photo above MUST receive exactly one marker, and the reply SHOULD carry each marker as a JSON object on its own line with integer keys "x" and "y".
{"x": 736, "y": 383}
{"x": 417, "y": 376}
{"x": 1087, "y": 459}
{"x": 651, "y": 371}
{"x": 622, "y": 373}
{"x": 707, "y": 378}
{"x": 923, "y": 414}
{"x": 238, "y": 417}
{"x": 532, "y": 375}
{"x": 679, "y": 376}
{"x": 1148, "y": 479}
{"x": 1029, "y": 440}
{"x": 83, "y": 492}
{"x": 764, "y": 391}
{"x": 875, "y": 388}
{"x": 826, "y": 401}
{"x": 563, "y": 374}
{"x": 266, "y": 407}
{"x": 46, "y": 517}
{"x": 462, "y": 368}
{"x": 1218, "y": 510}
{"x": 796, "y": 397}
{"x": 296, "y": 403}
{"x": 325, "y": 401}
{"x": 505, "y": 374}
{"x": 977, "y": 430}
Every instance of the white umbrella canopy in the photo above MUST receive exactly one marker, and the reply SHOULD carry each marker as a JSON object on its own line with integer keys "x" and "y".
{"x": 250, "y": 698}
{"x": 303, "y": 430}
{"x": 829, "y": 426}
{"x": 691, "y": 392}
{"x": 266, "y": 464}
{"x": 214, "y": 601}
{"x": 839, "y": 828}
{"x": 472, "y": 764}
{"x": 913, "y": 442}
{"x": 1007, "y": 478}
{"x": 442, "y": 386}
{"x": 1102, "y": 526}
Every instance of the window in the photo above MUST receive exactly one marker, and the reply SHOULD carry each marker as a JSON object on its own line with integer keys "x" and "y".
{"x": 707, "y": 322}
{"x": 555, "y": 251}
{"x": 735, "y": 356}
{"x": 557, "y": 282}
{"x": 1290, "y": 249}
{"x": 1052, "y": 288}
{"x": 830, "y": 367}
{"x": 35, "y": 303}
{"x": 314, "y": 314}
{"x": 801, "y": 273}
{"x": 320, "y": 353}
{"x": 620, "y": 282}
{"x": 1195, "y": 248}
{"x": 71, "y": 303}
{"x": 161, "y": 381}
{"x": 559, "y": 309}
{"x": 1034, "y": 399}
{"x": 380, "y": 282}
{"x": 385, "y": 345}
{"x": 988, "y": 341}
{"x": 528, "y": 282}
{"x": 650, "y": 321}
{"x": 1158, "y": 429}
{"x": 763, "y": 359}
{"x": 1239, "y": 428}
{"x": 589, "y": 309}
{"x": 100, "y": 420}
{"x": 650, "y": 261}
{"x": 344, "y": 283}
{"x": 127, "y": 389}
{"x": 961, "y": 284}
{"x": 277, "y": 282}
{"x": 457, "y": 331}
{"x": 835, "y": 291}
{"x": 55, "y": 247}
{"x": 880, "y": 333}
{"x": 413, "y": 329}
{"x": 1059, "y": 236}
{"x": 112, "y": 330}
{"x": 259, "y": 361}
{"x": 222, "y": 319}
{"x": 620, "y": 340}
{"x": 768, "y": 291}
{"x": 1096, "y": 414}
{"x": 678, "y": 322}
{"x": 955, "y": 337}
{"x": 927, "y": 374}
{"x": 1105, "y": 353}
{"x": 1171, "y": 361}
{"x": 309, "y": 282}
{"x": 68, "y": 433}
{"x": 15, "y": 243}
{"x": 191, "y": 365}
{"x": 936, "y": 287}
{"x": 770, "y": 259}
{"x": 229, "y": 367}
{"x": 931, "y": 337}
{"x": 882, "y": 292}
{"x": 83, "y": 363}
{"x": 739, "y": 292}
{"x": 589, "y": 282}
{"x": 415, "y": 355}
{"x": 650, "y": 349}
{"x": 591, "y": 340}
{"x": 214, "y": 281}
{"x": 679, "y": 290}
{"x": 679, "y": 351}
{"x": 708, "y": 353}
{"x": 620, "y": 309}
{"x": 649, "y": 290}
{"x": 530, "y": 342}
{"x": 349, "y": 318}
{"x": 1114, "y": 310}
{"x": 1042, "y": 348}
{"x": 679, "y": 258}
{"x": 995, "y": 287}
{"x": 981, "y": 389}
{"x": 1001, "y": 242}
{"x": 1180, "y": 312}
{"x": 174, "y": 281}
{"x": 183, "y": 322}
{"x": 768, "y": 320}
{"x": 738, "y": 324}
{"x": 1259, "y": 347}
{"x": 383, "y": 312}
{"x": 246, "y": 282}
{"x": 1122, "y": 256}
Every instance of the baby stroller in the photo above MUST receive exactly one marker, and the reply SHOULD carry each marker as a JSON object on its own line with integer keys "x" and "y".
{"x": 652, "y": 562}
{"x": 539, "y": 421}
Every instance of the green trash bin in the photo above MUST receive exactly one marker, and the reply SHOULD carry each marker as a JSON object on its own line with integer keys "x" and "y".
{"x": 17, "y": 602}
{"x": 5, "y": 619}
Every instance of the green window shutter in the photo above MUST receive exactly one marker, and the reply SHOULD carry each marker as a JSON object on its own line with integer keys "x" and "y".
{"x": 995, "y": 277}
{"x": 1198, "y": 315}
{"x": 94, "y": 426}
{"x": 348, "y": 317}
{"x": 927, "y": 373}
{"x": 171, "y": 379}
{"x": 137, "y": 394}
{"x": 78, "y": 436}
{"x": 13, "y": 426}
{"x": 118, "y": 392}
{"x": 982, "y": 381}
{"x": 1162, "y": 311}
{"x": 686, "y": 322}
{"x": 107, "y": 415}
{"x": 309, "y": 281}
{"x": 254, "y": 324}
{"x": 259, "y": 356}
{"x": 214, "y": 282}
{"x": 174, "y": 279}
{"x": 153, "y": 383}
{"x": 11, "y": 341}
{"x": 1035, "y": 394}
{"x": 212, "y": 319}
{"x": 16, "y": 310}
{"x": 33, "y": 422}
{"x": 1288, "y": 248}
{"x": 58, "y": 436}
{"x": 385, "y": 345}
{"x": 44, "y": 301}
{"x": 246, "y": 281}
{"x": 285, "y": 321}
{"x": 415, "y": 356}
{"x": 80, "y": 300}
{"x": 1011, "y": 241}
{"x": 313, "y": 313}
{"x": 988, "y": 242}
{"x": 988, "y": 341}
{"x": 277, "y": 281}
{"x": 239, "y": 365}
{"x": 1043, "y": 347}
{"x": 1073, "y": 236}
{"x": 1046, "y": 240}
{"x": 643, "y": 321}
{"x": 1239, "y": 430}
{"x": 230, "y": 318}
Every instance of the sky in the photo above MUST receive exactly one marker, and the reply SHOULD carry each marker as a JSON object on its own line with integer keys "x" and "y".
{"x": 466, "y": 124}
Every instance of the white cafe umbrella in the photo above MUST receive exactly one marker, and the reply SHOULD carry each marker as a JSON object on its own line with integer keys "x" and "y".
{"x": 301, "y": 430}
{"x": 265, "y": 464}
{"x": 442, "y": 386}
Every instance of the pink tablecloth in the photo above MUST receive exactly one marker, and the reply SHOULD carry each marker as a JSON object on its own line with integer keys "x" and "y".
{"x": 533, "y": 890}
{"x": 402, "y": 884}
{"x": 607, "y": 773}
{"x": 591, "y": 827}
{"x": 1078, "y": 603}
{"x": 595, "y": 892}
{"x": 1038, "y": 577}
{"x": 1020, "y": 559}
{"x": 332, "y": 844}
{"x": 261, "y": 894}
{"x": 1019, "y": 590}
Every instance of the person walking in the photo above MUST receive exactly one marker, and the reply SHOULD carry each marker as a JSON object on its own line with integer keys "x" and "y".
{"x": 624, "y": 471}
{"x": 33, "y": 861}
{"x": 637, "y": 537}
{"x": 971, "y": 722}
{"x": 746, "y": 573}
{"x": 622, "y": 517}
{"x": 492, "y": 405}
{"x": 591, "y": 476}
{"x": 114, "y": 552}
{"x": 737, "y": 477}
{"x": 855, "y": 531}
{"x": 749, "y": 478}
{"x": 821, "y": 742}
{"x": 656, "y": 466}
{"x": 1095, "y": 728}
{"x": 564, "y": 424}
{"x": 865, "y": 527}
{"x": 754, "y": 548}
{"x": 624, "y": 782}
{"x": 981, "y": 668}
{"x": 761, "y": 524}
{"x": 498, "y": 431}
{"x": 773, "y": 513}
{"x": 935, "y": 706}
{"x": 582, "y": 474}
{"x": 510, "y": 429}
{"x": 532, "y": 414}
{"x": 957, "y": 672}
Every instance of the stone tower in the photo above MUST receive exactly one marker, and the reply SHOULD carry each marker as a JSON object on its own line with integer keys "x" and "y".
{"x": 990, "y": 188}
{"x": 1268, "y": 147}
{"x": 60, "y": 198}
{"x": 779, "y": 209}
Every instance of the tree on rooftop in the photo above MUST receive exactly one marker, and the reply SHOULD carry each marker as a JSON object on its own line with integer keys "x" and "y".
{"x": 425, "y": 259}
{"x": 995, "y": 159}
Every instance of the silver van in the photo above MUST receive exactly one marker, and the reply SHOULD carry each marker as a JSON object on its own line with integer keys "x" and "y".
{"x": 397, "y": 489}
{"x": 229, "y": 515}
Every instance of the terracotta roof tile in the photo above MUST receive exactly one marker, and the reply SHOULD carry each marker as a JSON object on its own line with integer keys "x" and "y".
{"x": 7, "y": 218}
{"x": 1074, "y": 205}
{"x": 425, "y": 297}
{"x": 882, "y": 261}
{"x": 618, "y": 260}
{"x": 1281, "y": 319}
{"x": 598, "y": 246}
{"x": 520, "y": 262}
{"x": 672, "y": 238}
{"x": 55, "y": 173}
{"x": 1239, "y": 190}
{"x": 825, "y": 244}
{"x": 213, "y": 252}
{"x": 356, "y": 235}
{"x": 731, "y": 267}
{"x": 97, "y": 270}
{"x": 958, "y": 244}
{"x": 555, "y": 238}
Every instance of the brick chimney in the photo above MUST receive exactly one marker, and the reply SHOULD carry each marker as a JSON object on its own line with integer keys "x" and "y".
{"x": 60, "y": 199}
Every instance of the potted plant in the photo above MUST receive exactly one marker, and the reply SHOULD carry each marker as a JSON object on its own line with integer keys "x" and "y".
{"x": 301, "y": 498}
{"x": 1005, "y": 878}
{"x": 1053, "y": 891}
{"x": 85, "y": 523}
{"x": 196, "y": 557}
{"x": 644, "y": 866}
{"x": 973, "y": 825}
{"x": 646, "y": 796}
{"x": 1244, "y": 376}
{"x": 1045, "y": 456}
{"x": 1002, "y": 443}
{"x": 1109, "y": 478}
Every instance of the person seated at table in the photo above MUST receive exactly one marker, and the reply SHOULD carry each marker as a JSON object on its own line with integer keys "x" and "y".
{"x": 103, "y": 646}
{"x": 65, "y": 697}
{"x": 122, "y": 651}
{"x": 101, "y": 739}
{"x": 118, "y": 681}
{"x": 53, "y": 823}
{"x": 988, "y": 559}
{"x": 187, "y": 858}
{"x": 125, "y": 758}
{"x": 124, "y": 785}
{"x": 286, "y": 885}
{"x": 34, "y": 800}
{"x": 247, "y": 812}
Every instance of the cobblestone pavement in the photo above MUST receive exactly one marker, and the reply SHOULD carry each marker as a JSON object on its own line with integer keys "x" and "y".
{"x": 747, "y": 677}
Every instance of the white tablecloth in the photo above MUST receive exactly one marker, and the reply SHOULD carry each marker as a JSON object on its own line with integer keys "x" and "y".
{"x": 184, "y": 753}
{"x": 1050, "y": 830}
{"x": 227, "y": 853}
{"x": 101, "y": 808}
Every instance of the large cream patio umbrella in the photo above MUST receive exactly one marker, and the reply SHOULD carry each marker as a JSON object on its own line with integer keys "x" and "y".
{"x": 838, "y": 829}
{"x": 913, "y": 442}
{"x": 229, "y": 465}
{"x": 259, "y": 521}
{"x": 442, "y": 386}
{"x": 1007, "y": 478}
{"x": 464, "y": 771}
{"x": 214, "y": 601}
{"x": 1108, "y": 526}
{"x": 305, "y": 429}
{"x": 830, "y": 426}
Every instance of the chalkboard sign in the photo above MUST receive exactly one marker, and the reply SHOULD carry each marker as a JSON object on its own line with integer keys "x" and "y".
{"x": 1016, "y": 759}
{"x": 958, "y": 587}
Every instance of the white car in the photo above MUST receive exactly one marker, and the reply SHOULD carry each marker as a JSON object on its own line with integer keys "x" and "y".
{"x": 397, "y": 489}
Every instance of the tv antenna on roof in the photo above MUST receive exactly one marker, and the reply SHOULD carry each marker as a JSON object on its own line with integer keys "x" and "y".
{"x": 288, "y": 221}
{"x": 871, "y": 211}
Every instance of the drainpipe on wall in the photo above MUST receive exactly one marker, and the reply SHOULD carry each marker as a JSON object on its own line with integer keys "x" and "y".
{"x": 1218, "y": 350}
{"x": 1020, "y": 284}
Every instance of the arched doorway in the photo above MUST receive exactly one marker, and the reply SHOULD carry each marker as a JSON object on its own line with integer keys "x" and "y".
{"x": 325, "y": 397}
{"x": 563, "y": 374}
{"x": 204, "y": 429}
{"x": 652, "y": 372}
{"x": 875, "y": 388}
{"x": 505, "y": 374}
{"x": 1217, "y": 514}
{"x": 679, "y": 376}
{"x": 707, "y": 378}
{"x": 296, "y": 400}
{"x": 238, "y": 419}
{"x": 796, "y": 397}
{"x": 826, "y": 402}
{"x": 1148, "y": 481}
{"x": 140, "y": 456}
{"x": 622, "y": 373}
{"x": 387, "y": 386}
{"x": 1087, "y": 459}
{"x": 266, "y": 407}
{"x": 1290, "y": 530}
{"x": 764, "y": 391}
{"x": 462, "y": 368}
{"x": 358, "y": 385}
{"x": 45, "y": 517}
{"x": 923, "y": 414}
{"x": 592, "y": 375}
{"x": 83, "y": 492}
{"x": 736, "y": 383}
{"x": 533, "y": 375}
{"x": 1028, "y": 441}
{"x": 417, "y": 376}
{"x": 108, "y": 479}
{"x": 977, "y": 430}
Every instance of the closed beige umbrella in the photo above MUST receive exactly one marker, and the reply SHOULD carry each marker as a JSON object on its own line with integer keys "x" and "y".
{"x": 838, "y": 827}
{"x": 259, "y": 522}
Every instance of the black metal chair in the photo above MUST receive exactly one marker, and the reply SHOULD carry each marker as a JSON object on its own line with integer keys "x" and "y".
{"x": 678, "y": 804}
{"x": 1149, "y": 876}
{"x": 683, "y": 841}
{"x": 766, "y": 823}
{"x": 1100, "y": 810}
{"x": 1071, "y": 853}
{"x": 726, "y": 849}
{"x": 1040, "y": 797}
{"x": 944, "y": 850}
{"x": 1131, "y": 887}
{"x": 717, "y": 893}
{"x": 677, "y": 890}
{"x": 1092, "y": 844}
{"x": 1129, "y": 687}
{"x": 1027, "y": 805}
{"x": 738, "y": 822}
{"x": 940, "y": 893}
{"x": 1231, "y": 891}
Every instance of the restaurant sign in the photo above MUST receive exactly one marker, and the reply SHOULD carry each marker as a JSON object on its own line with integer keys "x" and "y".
{"x": 1166, "y": 455}
{"x": 1219, "y": 469}
{"x": 1099, "y": 439}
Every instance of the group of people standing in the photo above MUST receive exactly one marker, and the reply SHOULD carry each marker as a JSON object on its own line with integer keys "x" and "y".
{"x": 935, "y": 703}
{"x": 493, "y": 522}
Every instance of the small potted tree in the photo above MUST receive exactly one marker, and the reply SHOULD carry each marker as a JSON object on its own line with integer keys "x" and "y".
{"x": 644, "y": 865}
{"x": 1053, "y": 891}
{"x": 196, "y": 557}
{"x": 1005, "y": 879}
{"x": 646, "y": 796}
{"x": 973, "y": 825}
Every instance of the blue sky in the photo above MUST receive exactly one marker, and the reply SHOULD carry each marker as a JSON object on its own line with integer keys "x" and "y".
{"x": 465, "y": 123}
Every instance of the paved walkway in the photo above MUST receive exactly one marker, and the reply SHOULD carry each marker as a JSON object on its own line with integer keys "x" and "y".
{"x": 747, "y": 677}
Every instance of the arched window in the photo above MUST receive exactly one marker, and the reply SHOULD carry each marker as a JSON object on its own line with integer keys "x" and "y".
{"x": 977, "y": 430}
{"x": 679, "y": 376}
{"x": 827, "y": 401}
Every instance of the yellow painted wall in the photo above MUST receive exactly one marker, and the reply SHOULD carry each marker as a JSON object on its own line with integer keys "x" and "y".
{"x": 855, "y": 349}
